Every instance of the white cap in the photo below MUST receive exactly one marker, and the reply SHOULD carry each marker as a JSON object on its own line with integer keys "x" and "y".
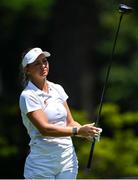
{"x": 32, "y": 55}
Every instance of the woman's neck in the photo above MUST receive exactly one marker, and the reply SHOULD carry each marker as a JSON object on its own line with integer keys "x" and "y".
{"x": 41, "y": 84}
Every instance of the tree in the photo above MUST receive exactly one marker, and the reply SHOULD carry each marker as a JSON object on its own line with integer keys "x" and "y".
{"x": 115, "y": 156}
{"x": 79, "y": 35}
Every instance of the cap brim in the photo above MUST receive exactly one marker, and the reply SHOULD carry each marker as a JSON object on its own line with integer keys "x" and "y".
{"x": 47, "y": 54}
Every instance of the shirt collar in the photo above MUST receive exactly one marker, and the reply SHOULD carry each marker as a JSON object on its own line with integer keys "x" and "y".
{"x": 36, "y": 89}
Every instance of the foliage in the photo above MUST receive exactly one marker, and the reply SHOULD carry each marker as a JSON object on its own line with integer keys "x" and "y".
{"x": 82, "y": 32}
{"x": 117, "y": 149}
{"x": 41, "y": 7}
{"x": 122, "y": 81}
{"x": 116, "y": 155}
{"x": 6, "y": 149}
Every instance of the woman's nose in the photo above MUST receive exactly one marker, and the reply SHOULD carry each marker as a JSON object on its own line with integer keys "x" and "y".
{"x": 43, "y": 64}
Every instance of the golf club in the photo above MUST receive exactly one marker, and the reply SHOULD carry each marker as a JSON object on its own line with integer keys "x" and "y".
{"x": 123, "y": 9}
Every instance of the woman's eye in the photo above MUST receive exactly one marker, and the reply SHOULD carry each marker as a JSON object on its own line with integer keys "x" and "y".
{"x": 37, "y": 64}
{"x": 45, "y": 61}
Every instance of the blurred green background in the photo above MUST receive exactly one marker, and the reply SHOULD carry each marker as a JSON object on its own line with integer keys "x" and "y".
{"x": 79, "y": 35}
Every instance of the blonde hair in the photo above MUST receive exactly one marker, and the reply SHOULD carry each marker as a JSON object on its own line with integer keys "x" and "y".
{"x": 23, "y": 75}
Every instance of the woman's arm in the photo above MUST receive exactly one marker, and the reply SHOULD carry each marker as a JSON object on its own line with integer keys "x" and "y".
{"x": 70, "y": 121}
{"x": 40, "y": 121}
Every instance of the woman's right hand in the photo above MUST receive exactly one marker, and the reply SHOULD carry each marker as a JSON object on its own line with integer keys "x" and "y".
{"x": 89, "y": 130}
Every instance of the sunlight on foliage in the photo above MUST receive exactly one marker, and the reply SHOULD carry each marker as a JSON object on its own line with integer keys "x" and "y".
{"x": 19, "y": 4}
{"x": 41, "y": 7}
{"x": 117, "y": 151}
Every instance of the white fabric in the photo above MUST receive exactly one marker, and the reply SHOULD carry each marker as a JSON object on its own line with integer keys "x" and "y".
{"x": 54, "y": 161}
{"x": 45, "y": 150}
{"x": 32, "y": 55}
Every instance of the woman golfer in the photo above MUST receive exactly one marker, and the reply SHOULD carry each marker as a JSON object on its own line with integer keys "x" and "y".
{"x": 49, "y": 123}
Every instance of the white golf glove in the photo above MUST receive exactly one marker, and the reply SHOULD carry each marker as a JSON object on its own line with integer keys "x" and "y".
{"x": 97, "y": 136}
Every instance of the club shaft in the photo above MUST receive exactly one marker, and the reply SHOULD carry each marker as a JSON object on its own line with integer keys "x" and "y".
{"x": 103, "y": 91}
{"x": 108, "y": 72}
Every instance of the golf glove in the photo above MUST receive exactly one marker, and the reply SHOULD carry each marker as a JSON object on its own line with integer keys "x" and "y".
{"x": 96, "y": 137}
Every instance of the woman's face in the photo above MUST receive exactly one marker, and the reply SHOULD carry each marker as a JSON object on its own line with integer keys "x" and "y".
{"x": 39, "y": 68}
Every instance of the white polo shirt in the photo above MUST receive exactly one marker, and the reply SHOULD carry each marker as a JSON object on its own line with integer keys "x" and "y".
{"x": 47, "y": 154}
{"x": 51, "y": 103}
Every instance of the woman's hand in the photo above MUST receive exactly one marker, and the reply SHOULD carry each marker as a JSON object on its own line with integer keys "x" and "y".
{"x": 89, "y": 131}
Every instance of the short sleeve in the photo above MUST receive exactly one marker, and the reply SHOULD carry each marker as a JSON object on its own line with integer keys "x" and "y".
{"x": 29, "y": 103}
